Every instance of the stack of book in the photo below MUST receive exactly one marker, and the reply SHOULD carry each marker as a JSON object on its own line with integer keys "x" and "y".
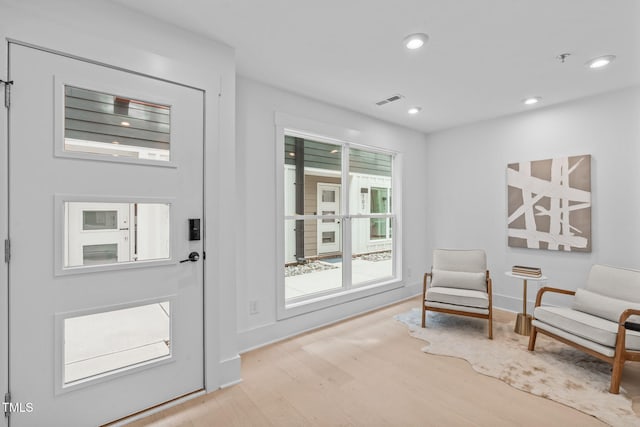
{"x": 521, "y": 270}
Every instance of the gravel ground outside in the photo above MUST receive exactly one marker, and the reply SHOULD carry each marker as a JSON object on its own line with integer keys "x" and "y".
{"x": 319, "y": 265}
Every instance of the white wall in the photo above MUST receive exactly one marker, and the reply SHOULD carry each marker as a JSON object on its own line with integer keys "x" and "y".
{"x": 256, "y": 107}
{"x": 106, "y": 32}
{"x": 466, "y": 187}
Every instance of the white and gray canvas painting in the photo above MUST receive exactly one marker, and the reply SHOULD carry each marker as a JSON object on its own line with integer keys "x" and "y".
{"x": 549, "y": 204}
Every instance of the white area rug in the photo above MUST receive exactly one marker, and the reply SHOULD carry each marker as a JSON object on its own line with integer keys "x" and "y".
{"x": 554, "y": 371}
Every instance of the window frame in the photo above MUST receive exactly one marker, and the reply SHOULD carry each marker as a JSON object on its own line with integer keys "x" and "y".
{"x": 289, "y": 125}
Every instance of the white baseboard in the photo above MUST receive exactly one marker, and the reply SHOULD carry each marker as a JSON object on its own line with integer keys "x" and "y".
{"x": 229, "y": 373}
{"x": 509, "y": 303}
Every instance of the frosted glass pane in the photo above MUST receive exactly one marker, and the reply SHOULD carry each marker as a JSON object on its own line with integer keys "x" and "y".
{"x": 99, "y": 254}
{"x": 110, "y": 341}
{"x": 99, "y": 220}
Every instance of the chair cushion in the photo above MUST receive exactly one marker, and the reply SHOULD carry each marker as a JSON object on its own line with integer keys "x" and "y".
{"x": 603, "y": 306}
{"x": 598, "y": 348}
{"x": 585, "y": 325}
{"x": 432, "y": 305}
{"x": 474, "y": 261}
{"x": 615, "y": 282}
{"x": 464, "y": 297}
{"x": 459, "y": 279}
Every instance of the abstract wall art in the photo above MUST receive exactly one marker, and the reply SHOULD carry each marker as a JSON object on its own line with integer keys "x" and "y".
{"x": 549, "y": 204}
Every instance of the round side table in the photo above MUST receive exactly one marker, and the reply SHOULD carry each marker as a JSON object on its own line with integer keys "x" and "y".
{"x": 523, "y": 320}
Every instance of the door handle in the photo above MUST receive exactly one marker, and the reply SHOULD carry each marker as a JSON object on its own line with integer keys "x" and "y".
{"x": 193, "y": 257}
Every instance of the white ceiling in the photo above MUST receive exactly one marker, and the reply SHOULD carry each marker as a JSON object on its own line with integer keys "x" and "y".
{"x": 482, "y": 59}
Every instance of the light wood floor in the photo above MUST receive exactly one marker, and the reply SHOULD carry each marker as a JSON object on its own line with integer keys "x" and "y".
{"x": 366, "y": 371}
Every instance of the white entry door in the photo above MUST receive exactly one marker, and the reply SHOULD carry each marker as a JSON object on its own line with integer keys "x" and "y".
{"x": 105, "y": 172}
{"x": 328, "y": 229}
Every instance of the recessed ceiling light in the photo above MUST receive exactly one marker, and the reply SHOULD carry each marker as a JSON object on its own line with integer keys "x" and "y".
{"x": 415, "y": 41}
{"x": 333, "y": 151}
{"x": 125, "y": 123}
{"x": 600, "y": 61}
{"x": 532, "y": 100}
{"x": 414, "y": 110}
{"x": 292, "y": 154}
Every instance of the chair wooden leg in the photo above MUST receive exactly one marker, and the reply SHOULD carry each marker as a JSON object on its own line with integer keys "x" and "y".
{"x": 616, "y": 375}
{"x": 618, "y": 360}
{"x": 490, "y": 327}
{"x": 532, "y": 338}
{"x": 423, "y": 315}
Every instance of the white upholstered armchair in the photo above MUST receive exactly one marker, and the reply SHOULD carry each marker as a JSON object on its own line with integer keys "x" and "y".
{"x": 604, "y": 319}
{"x": 459, "y": 283}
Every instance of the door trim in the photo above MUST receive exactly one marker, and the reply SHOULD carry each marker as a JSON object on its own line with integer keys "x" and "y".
{"x": 95, "y": 62}
{"x": 4, "y": 217}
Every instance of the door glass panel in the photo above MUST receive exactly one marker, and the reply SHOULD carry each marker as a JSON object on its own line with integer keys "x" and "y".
{"x": 109, "y": 125}
{"x": 107, "y": 342}
{"x": 99, "y": 220}
{"x": 328, "y": 213}
{"x": 379, "y": 200}
{"x": 378, "y": 228}
{"x": 380, "y": 203}
{"x": 100, "y": 254}
{"x": 107, "y": 233}
{"x": 329, "y": 196}
{"x": 328, "y": 236}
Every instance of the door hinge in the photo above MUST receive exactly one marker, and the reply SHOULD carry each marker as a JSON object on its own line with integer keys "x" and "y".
{"x": 7, "y": 250}
{"x": 7, "y": 92}
{"x": 7, "y": 404}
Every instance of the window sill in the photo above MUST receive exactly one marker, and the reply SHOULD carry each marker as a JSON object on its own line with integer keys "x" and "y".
{"x": 325, "y": 301}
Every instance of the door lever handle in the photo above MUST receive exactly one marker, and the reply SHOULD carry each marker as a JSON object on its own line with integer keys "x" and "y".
{"x": 193, "y": 257}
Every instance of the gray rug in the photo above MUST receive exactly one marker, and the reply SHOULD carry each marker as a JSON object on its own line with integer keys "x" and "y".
{"x": 554, "y": 371}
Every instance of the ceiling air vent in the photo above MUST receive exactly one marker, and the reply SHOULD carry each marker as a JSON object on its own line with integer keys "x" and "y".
{"x": 388, "y": 100}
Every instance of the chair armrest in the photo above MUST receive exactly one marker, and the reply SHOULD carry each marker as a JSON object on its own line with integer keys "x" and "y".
{"x": 622, "y": 329}
{"x": 548, "y": 289}
{"x": 424, "y": 285}
{"x": 625, "y": 315}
